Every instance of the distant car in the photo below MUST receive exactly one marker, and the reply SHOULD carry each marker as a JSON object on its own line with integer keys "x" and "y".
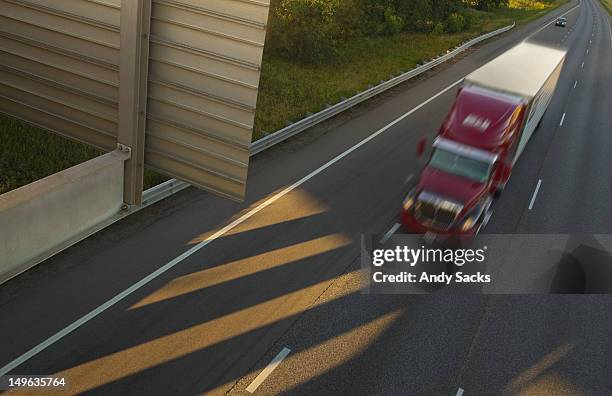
{"x": 561, "y": 22}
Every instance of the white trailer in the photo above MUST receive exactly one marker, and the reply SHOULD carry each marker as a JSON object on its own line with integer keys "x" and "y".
{"x": 529, "y": 71}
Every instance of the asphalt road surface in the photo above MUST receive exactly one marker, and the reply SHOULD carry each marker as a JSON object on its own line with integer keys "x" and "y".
{"x": 198, "y": 295}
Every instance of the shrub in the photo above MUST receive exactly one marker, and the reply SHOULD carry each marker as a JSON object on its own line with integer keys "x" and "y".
{"x": 438, "y": 28}
{"x": 393, "y": 23}
{"x": 304, "y": 29}
{"x": 416, "y": 14}
{"x": 312, "y": 31}
{"x": 348, "y": 17}
{"x": 468, "y": 19}
{"x": 455, "y": 23}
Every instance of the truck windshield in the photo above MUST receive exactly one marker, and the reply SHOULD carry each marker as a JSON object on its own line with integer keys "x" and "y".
{"x": 461, "y": 166}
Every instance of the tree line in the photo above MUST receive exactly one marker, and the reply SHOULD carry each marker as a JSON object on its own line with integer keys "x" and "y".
{"x": 313, "y": 30}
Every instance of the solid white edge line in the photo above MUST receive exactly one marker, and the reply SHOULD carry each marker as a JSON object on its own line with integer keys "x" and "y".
{"x": 78, "y": 323}
{"x": 562, "y": 119}
{"x": 459, "y": 392}
{"x": 409, "y": 178}
{"x": 535, "y": 194}
{"x": 390, "y": 233}
{"x": 268, "y": 370}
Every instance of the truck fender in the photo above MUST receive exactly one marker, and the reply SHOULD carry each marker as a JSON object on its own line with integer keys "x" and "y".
{"x": 506, "y": 171}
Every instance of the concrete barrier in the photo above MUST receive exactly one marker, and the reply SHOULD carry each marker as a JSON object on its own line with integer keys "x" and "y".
{"x": 43, "y": 217}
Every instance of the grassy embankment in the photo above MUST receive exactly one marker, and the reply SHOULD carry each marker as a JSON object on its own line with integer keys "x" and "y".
{"x": 28, "y": 153}
{"x": 607, "y": 4}
{"x": 288, "y": 91}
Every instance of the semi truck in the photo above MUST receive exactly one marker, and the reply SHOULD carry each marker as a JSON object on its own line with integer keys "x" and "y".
{"x": 496, "y": 111}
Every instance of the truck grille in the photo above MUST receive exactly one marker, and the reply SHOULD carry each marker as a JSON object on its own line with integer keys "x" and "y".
{"x": 426, "y": 210}
{"x": 433, "y": 211}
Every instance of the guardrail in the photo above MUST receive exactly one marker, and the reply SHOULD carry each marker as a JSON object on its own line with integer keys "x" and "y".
{"x": 310, "y": 121}
{"x": 172, "y": 186}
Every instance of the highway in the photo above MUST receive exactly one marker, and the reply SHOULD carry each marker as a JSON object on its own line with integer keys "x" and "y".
{"x": 198, "y": 295}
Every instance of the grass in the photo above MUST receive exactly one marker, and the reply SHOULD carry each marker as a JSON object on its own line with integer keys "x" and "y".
{"x": 607, "y": 4}
{"x": 288, "y": 91}
{"x": 28, "y": 153}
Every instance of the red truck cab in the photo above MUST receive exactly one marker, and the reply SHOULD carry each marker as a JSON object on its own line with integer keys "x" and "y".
{"x": 471, "y": 160}
{"x": 495, "y": 113}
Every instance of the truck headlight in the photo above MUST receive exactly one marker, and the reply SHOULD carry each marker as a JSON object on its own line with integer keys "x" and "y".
{"x": 408, "y": 202}
{"x": 468, "y": 223}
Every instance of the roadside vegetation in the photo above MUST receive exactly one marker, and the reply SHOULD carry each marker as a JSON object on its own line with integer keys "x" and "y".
{"x": 28, "y": 153}
{"x": 607, "y": 4}
{"x": 317, "y": 52}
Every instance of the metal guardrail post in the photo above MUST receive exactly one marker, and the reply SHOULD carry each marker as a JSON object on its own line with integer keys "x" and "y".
{"x": 133, "y": 74}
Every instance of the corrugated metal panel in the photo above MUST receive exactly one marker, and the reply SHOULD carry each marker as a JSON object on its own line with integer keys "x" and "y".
{"x": 205, "y": 59}
{"x": 47, "y": 119}
{"x": 59, "y": 69}
{"x": 59, "y": 66}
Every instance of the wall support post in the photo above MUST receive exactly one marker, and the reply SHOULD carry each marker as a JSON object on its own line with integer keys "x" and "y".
{"x": 133, "y": 77}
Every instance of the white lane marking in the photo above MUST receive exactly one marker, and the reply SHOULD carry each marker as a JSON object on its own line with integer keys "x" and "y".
{"x": 553, "y": 20}
{"x": 390, "y": 233}
{"x": 587, "y": 51}
{"x": 268, "y": 370}
{"x": 582, "y": 66}
{"x": 575, "y": 84}
{"x": 609, "y": 28}
{"x": 459, "y": 392}
{"x": 535, "y": 194}
{"x": 409, "y": 178}
{"x": 562, "y": 119}
{"x": 81, "y": 321}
